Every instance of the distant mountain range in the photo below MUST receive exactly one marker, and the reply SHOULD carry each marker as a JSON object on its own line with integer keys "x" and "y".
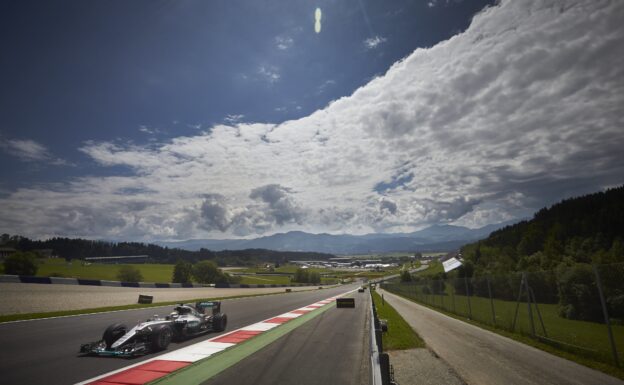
{"x": 434, "y": 238}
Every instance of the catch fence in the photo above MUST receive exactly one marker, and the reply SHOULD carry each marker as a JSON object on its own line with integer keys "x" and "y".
{"x": 578, "y": 309}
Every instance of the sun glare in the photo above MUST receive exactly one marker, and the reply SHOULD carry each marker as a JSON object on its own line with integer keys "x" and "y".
{"x": 317, "y": 17}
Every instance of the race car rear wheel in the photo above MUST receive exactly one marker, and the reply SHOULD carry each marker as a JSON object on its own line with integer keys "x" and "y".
{"x": 161, "y": 337}
{"x": 113, "y": 333}
{"x": 219, "y": 322}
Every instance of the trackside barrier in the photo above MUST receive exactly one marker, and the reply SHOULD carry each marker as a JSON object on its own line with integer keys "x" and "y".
{"x": 144, "y": 299}
{"x": 345, "y": 302}
{"x": 374, "y": 349}
{"x": 380, "y": 362}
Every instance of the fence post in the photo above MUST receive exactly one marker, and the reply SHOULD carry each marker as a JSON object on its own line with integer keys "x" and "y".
{"x": 513, "y": 324}
{"x": 539, "y": 314}
{"x": 491, "y": 301}
{"x": 453, "y": 299}
{"x": 442, "y": 294}
{"x": 526, "y": 286}
{"x": 606, "y": 316}
{"x": 468, "y": 296}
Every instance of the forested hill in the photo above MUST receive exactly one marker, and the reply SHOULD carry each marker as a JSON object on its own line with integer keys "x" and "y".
{"x": 587, "y": 229}
{"x": 70, "y": 248}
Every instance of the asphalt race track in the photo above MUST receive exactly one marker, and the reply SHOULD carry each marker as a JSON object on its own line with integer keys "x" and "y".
{"x": 333, "y": 348}
{"x": 46, "y": 351}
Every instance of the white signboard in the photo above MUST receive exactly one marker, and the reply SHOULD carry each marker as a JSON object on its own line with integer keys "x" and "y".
{"x": 451, "y": 264}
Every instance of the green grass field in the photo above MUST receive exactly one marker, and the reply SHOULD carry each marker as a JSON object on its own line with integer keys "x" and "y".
{"x": 265, "y": 280}
{"x": 287, "y": 268}
{"x": 586, "y": 339}
{"x": 400, "y": 335}
{"x": 327, "y": 275}
{"x": 434, "y": 268}
{"x": 58, "y": 267}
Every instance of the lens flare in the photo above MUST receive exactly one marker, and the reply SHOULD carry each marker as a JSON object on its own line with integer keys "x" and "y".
{"x": 317, "y": 16}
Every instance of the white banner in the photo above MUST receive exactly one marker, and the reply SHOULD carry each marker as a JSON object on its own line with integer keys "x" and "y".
{"x": 451, "y": 264}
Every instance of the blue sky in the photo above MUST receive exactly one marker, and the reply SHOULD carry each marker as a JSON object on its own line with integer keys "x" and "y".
{"x": 155, "y": 120}
{"x": 75, "y": 71}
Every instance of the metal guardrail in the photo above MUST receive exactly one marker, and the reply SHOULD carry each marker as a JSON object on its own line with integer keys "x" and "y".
{"x": 381, "y": 370}
{"x": 374, "y": 349}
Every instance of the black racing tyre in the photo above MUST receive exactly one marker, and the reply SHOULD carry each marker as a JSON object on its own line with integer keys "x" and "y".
{"x": 161, "y": 337}
{"x": 113, "y": 333}
{"x": 219, "y": 322}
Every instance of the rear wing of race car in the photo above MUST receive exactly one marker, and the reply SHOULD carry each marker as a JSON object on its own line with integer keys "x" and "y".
{"x": 206, "y": 306}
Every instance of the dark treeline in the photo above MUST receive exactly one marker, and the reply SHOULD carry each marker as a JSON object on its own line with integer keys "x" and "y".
{"x": 588, "y": 229}
{"x": 556, "y": 249}
{"x": 82, "y": 248}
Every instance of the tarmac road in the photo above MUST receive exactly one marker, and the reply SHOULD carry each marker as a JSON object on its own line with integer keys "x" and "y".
{"x": 333, "y": 348}
{"x": 481, "y": 357}
{"x": 45, "y": 351}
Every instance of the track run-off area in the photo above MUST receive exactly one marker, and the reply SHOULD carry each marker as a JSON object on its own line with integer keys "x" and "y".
{"x": 486, "y": 358}
{"x": 46, "y": 351}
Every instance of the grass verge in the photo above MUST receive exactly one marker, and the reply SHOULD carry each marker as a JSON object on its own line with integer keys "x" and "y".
{"x": 400, "y": 335}
{"x": 434, "y": 268}
{"x": 582, "y": 360}
{"x": 583, "y": 338}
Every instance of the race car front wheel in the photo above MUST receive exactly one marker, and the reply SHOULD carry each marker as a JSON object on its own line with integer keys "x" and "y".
{"x": 161, "y": 337}
{"x": 113, "y": 333}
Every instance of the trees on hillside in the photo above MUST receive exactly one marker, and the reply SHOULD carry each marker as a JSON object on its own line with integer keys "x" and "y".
{"x": 77, "y": 248}
{"x": 586, "y": 229}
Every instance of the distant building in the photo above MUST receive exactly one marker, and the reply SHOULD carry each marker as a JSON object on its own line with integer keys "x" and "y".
{"x": 6, "y": 251}
{"x": 118, "y": 259}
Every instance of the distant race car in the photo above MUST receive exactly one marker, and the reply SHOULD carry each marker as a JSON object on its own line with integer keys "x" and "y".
{"x": 156, "y": 333}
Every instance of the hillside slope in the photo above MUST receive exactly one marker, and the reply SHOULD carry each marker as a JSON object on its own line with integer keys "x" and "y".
{"x": 587, "y": 229}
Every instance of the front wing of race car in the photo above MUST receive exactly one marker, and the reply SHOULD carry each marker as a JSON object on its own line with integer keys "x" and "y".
{"x": 128, "y": 350}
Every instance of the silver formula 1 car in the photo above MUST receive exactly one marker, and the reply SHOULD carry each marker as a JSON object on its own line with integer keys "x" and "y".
{"x": 156, "y": 333}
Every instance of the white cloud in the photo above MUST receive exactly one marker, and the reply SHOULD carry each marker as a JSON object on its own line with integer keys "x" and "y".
{"x": 283, "y": 42}
{"x": 520, "y": 110}
{"x": 30, "y": 151}
{"x": 233, "y": 118}
{"x": 325, "y": 85}
{"x": 434, "y": 3}
{"x": 374, "y": 42}
{"x": 147, "y": 130}
{"x": 269, "y": 73}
